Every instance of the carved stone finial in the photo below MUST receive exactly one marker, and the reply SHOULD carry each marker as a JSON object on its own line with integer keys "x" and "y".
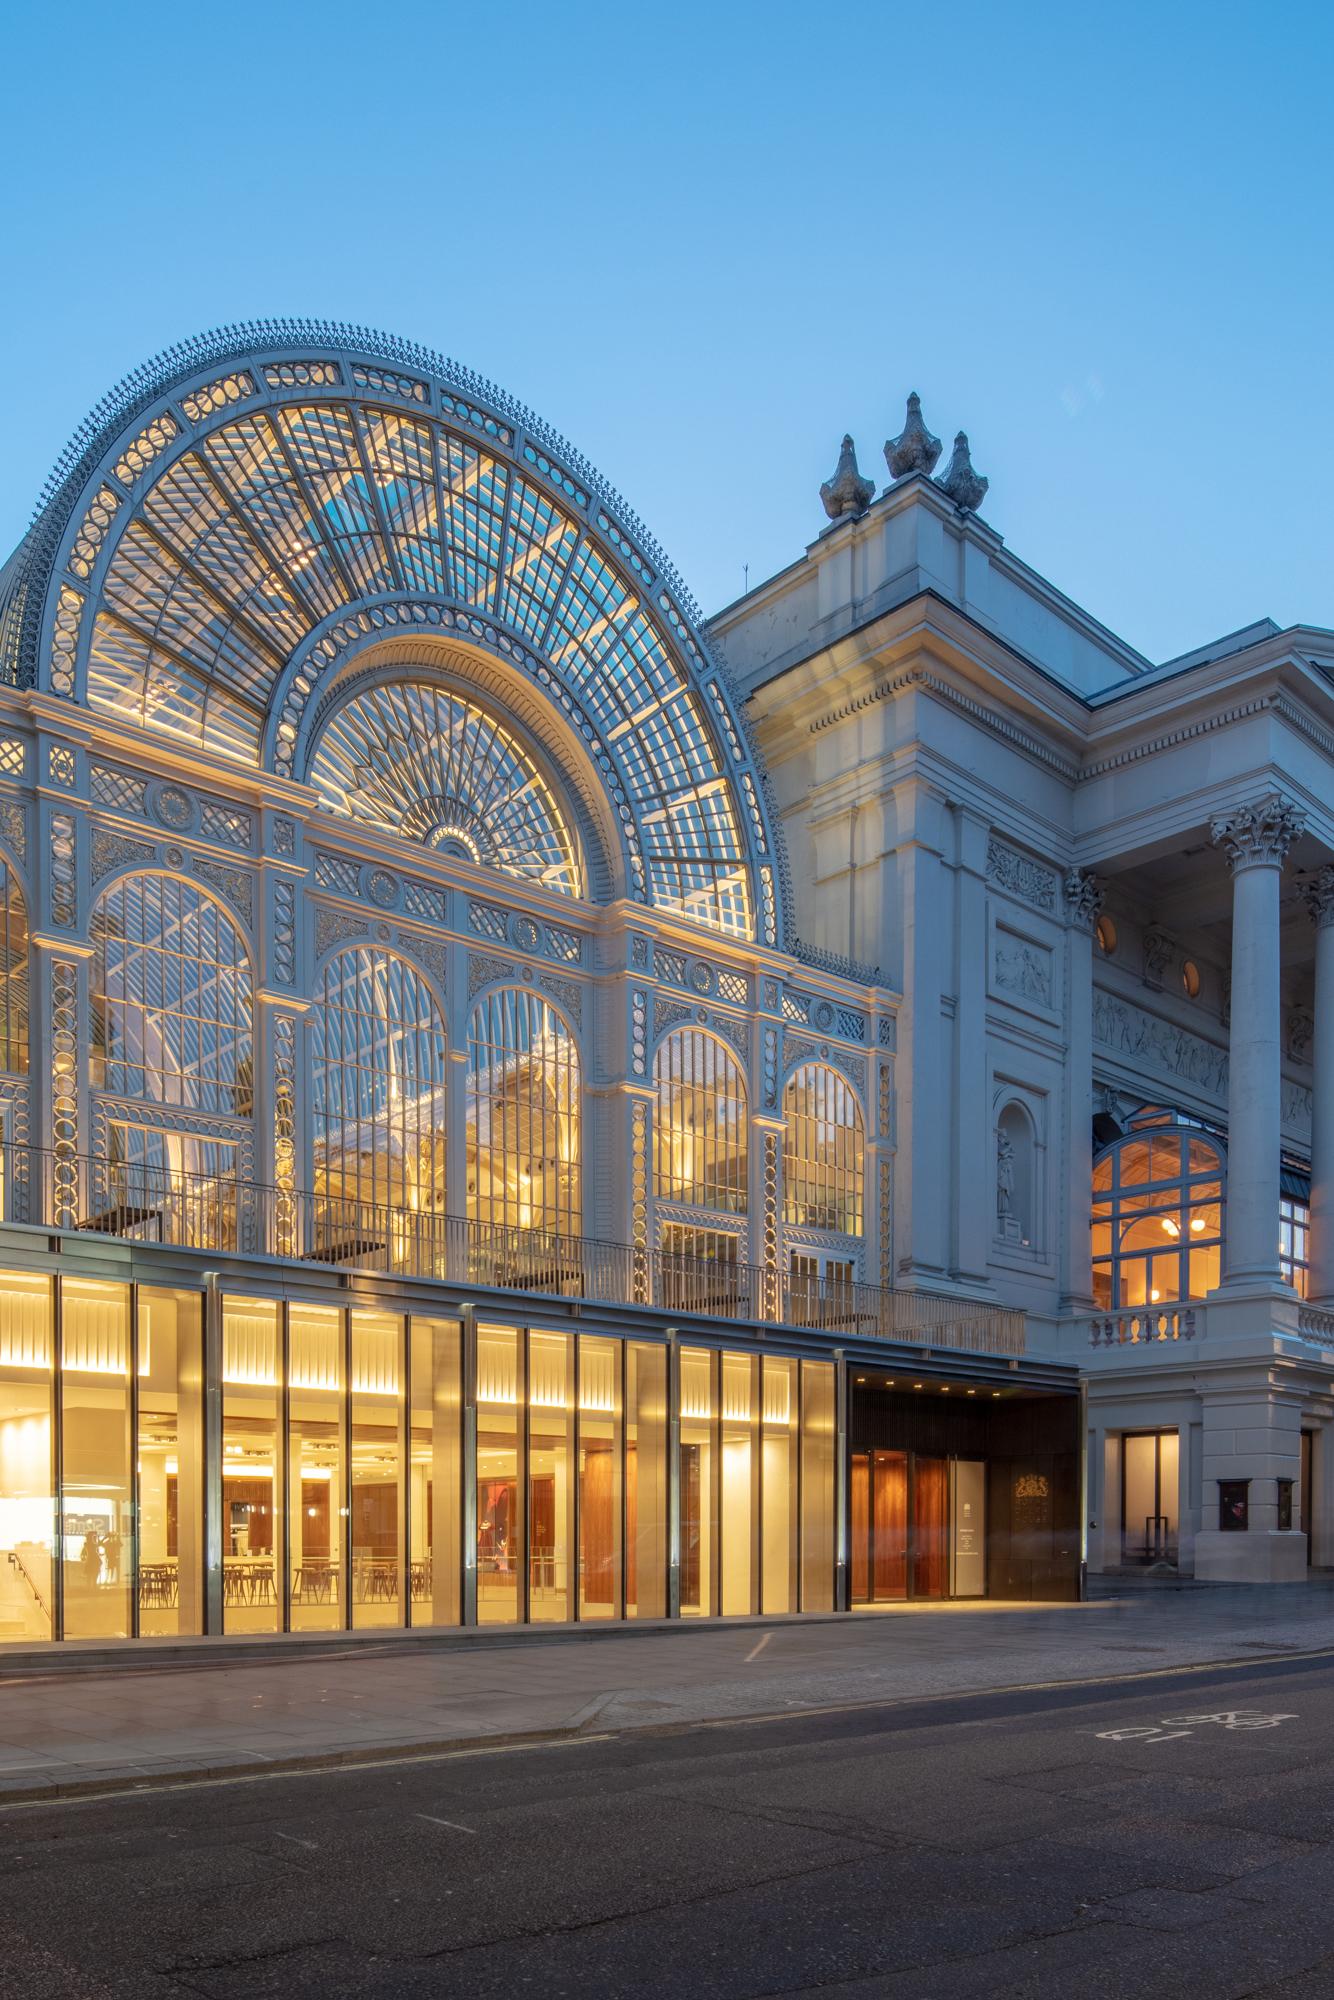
{"x": 847, "y": 492}
{"x": 1319, "y": 894}
{"x": 966, "y": 488}
{"x": 914, "y": 449}
{"x": 1083, "y": 898}
{"x": 1258, "y": 835}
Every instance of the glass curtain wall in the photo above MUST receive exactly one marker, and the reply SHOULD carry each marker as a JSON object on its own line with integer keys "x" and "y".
{"x": 350, "y": 1488}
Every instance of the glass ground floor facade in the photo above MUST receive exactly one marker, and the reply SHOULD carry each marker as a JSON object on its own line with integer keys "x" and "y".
{"x": 177, "y": 1462}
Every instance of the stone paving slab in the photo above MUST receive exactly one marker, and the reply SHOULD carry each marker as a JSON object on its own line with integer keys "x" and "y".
{"x": 76, "y": 1732}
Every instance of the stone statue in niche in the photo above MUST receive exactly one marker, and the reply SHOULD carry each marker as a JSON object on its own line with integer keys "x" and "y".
{"x": 1004, "y": 1181}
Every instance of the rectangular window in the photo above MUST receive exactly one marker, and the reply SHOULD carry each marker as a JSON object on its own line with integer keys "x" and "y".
{"x": 27, "y": 1475}
{"x": 252, "y": 1519}
{"x": 378, "y": 1525}
{"x": 599, "y": 1477}
{"x": 818, "y": 1474}
{"x": 550, "y": 1476}
{"x": 779, "y": 1442}
{"x": 646, "y": 1481}
{"x": 435, "y": 1483}
{"x": 97, "y": 1493}
{"x": 500, "y": 1529}
{"x": 740, "y": 1479}
{"x": 699, "y": 1506}
{"x": 316, "y": 1469}
{"x": 170, "y": 1456}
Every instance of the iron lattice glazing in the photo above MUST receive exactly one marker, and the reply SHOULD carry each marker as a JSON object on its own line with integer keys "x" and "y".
{"x": 379, "y": 1064}
{"x": 824, "y": 1149}
{"x": 524, "y": 1115}
{"x": 700, "y": 1132}
{"x": 13, "y": 974}
{"x": 280, "y": 518}
{"x": 437, "y": 767}
{"x": 171, "y": 998}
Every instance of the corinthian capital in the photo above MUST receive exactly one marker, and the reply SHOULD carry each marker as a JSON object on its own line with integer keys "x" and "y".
{"x": 1083, "y": 898}
{"x": 1258, "y": 835}
{"x": 1319, "y": 894}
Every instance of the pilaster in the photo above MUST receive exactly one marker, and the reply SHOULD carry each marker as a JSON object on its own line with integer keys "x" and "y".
{"x": 1083, "y": 901}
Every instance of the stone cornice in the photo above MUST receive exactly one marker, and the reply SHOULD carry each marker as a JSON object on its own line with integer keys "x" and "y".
{"x": 919, "y": 677}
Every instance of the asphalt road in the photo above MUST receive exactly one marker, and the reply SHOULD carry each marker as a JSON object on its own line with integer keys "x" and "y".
{"x": 987, "y": 1844}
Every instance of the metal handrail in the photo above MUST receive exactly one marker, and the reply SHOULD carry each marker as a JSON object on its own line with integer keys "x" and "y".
{"x": 17, "y": 1562}
{"x": 141, "y": 1202}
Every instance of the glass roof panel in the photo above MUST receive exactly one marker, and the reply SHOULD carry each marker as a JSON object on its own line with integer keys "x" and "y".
{"x": 437, "y": 767}
{"x": 272, "y": 523}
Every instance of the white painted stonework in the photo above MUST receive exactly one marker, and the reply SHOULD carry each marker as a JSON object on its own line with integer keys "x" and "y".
{"x": 948, "y": 739}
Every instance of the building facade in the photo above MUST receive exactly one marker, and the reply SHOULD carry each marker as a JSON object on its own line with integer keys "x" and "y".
{"x": 519, "y": 1103}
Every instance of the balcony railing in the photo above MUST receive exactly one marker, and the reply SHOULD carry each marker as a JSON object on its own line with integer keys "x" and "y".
{"x": 143, "y": 1203}
{"x": 1143, "y": 1325}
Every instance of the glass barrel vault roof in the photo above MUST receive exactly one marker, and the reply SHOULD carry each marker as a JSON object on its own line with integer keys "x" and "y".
{"x": 219, "y": 542}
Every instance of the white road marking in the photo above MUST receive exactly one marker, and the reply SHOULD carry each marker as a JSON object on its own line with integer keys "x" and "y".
{"x": 297, "y": 1843}
{"x": 433, "y": 1821}
{"x": 755, "y": 1651}
{"x": 1173, "y": 1726}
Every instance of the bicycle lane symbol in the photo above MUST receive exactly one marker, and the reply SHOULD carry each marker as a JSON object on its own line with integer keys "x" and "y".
{"x": 1173, "y": 1727}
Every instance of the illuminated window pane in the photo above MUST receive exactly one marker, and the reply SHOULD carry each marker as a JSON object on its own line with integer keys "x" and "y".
{"x": 171, "y": 998}
{"x": 27, "y": 1469}
{"x": 823, "y": 1151}
{"x": 701, "y": 1139}
{"x": 316, "y": 1521}
{"x": 252, "y": 1510}
{"x": 96, "y": 1473}
{"x": 170, "y": 1454}
{"x": 523, "y": 1115}
{"x": 434, "y": 1527}
{"x": 438, "y": 768}
{"x": 379, "y": 1075}
{"x": 1159, "y": 1237}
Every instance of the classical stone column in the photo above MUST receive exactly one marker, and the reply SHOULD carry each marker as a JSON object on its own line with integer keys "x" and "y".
{"x": 1320, "y": 902}
{"x": 1256, "y": 839}
{"x": 1083, "y": 901}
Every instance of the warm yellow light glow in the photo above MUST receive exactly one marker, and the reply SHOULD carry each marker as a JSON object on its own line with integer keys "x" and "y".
{"x": 1171, "y": 1227}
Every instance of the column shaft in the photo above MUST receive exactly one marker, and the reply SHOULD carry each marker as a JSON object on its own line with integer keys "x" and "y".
{"x": 1254, "y": 1079}
{"x": 1322, "y": 1097}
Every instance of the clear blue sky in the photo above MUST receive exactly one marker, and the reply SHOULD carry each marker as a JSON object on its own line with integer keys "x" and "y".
{"x": 704, "y": 240}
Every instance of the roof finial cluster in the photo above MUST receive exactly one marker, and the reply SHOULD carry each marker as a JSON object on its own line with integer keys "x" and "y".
{"x": 914, "y": 449}
{"x": 913, "y": 453}
{"x": 847, "y": 492}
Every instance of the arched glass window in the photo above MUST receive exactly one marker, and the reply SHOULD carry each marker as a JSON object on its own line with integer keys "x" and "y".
{"x": 171, "y": 998}
{"x": 1157, "y": 1214}
{"x": 524, "y": 1115}
{"x": 13, "y": 974}
{"x": 379, "y": 1071}
{"x": 701, "y": 1141}
{"x": 437, "y": 767}
{"x": 824, "y": 1149}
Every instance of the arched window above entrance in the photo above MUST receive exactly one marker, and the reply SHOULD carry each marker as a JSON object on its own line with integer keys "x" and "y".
{"x": 1157, "y": 1213}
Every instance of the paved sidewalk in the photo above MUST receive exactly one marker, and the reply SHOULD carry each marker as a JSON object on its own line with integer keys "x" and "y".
{"x": 78, "y": 1731}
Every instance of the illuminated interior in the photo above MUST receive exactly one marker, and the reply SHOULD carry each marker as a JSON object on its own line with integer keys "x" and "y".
{"x": 337, "y": 1493}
